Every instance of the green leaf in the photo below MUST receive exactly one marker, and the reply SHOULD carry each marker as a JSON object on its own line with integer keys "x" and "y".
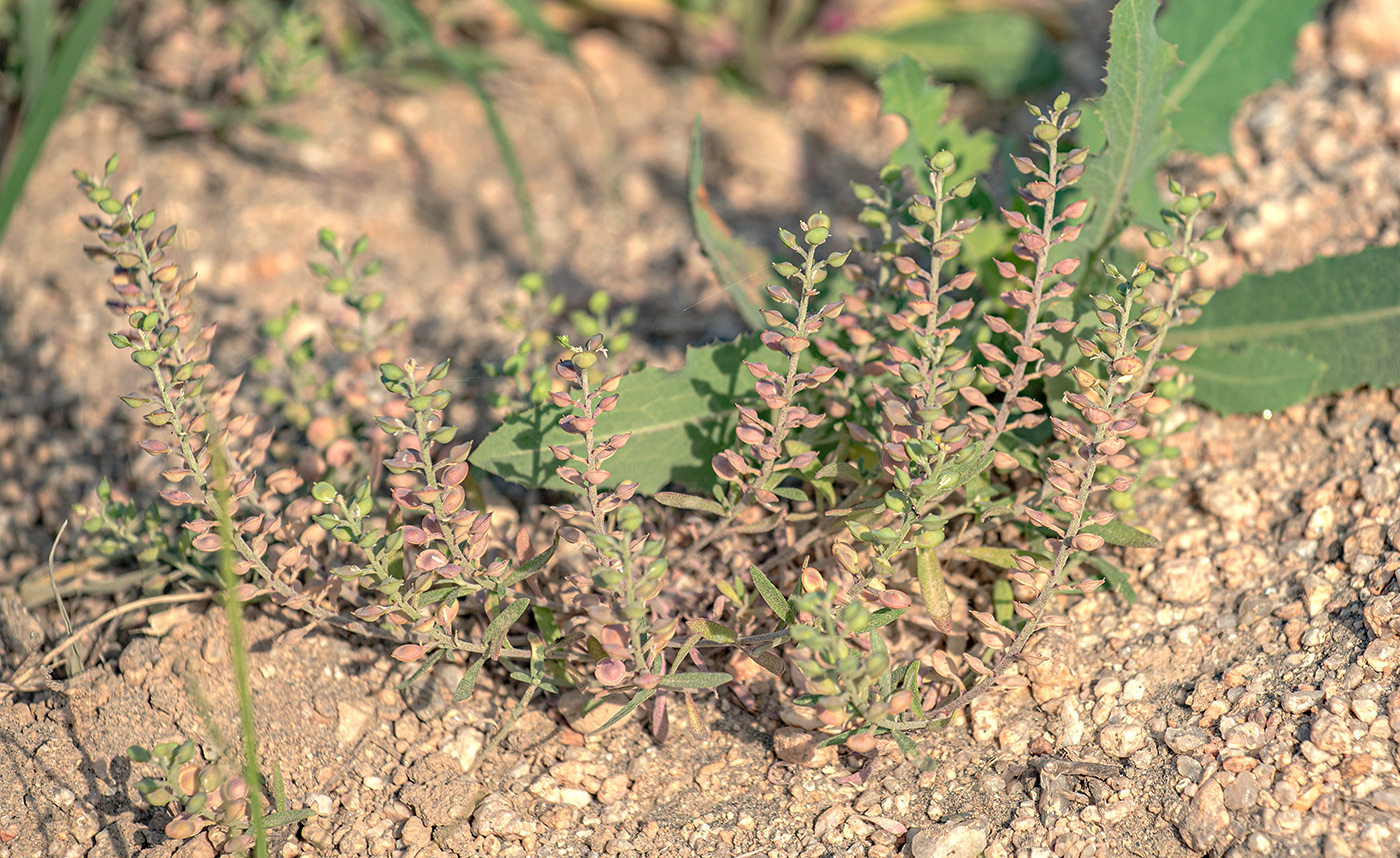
{"x": 741, "y": 268}
{"x": 1001, "y": 50}
{"x": 497, "y": 628}
{"x": 627, "y": 708}
{"x": 1003, "y": 601}
{"x": 532, "y": 566}
{"x": 883, "y": 617}
{"x": 694, "y": 680}
{"x": 1127, "y": 130}
{"x": 933, "y": 590}
{"x": 676, "y": 500}
{"x": 1253, "y": 378}
{"x": 1343, "y": 312}
{"x": 771, "y": 595}
{"x": 1116, "y": 578}
{"x": 1230, "y": 50}
{"x": 906, "y": 93}
{"x": 1118, "y": 533}
{"x": 1003, "y": 558}
{"x": 678, "y": 419}
{"x": 527, "y": 14}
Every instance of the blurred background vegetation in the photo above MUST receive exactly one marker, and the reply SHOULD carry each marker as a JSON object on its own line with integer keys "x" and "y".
{"x": 209, "y": 67}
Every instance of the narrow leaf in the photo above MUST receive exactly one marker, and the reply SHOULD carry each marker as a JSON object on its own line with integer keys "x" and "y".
{"x": 770, "y": 593}
{"x": 934, "y": 592}
{"x": 1002, "y": 558}
{"x": 1118, "y": 533}
{"x": 741, "y": 268}
{"x": 677, "y": 500}
{"x": 695, "y": 680}
{"x": 627, "y": 709}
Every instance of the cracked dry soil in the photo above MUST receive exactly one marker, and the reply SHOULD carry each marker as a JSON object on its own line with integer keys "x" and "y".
{"x": 1247, "y": 704}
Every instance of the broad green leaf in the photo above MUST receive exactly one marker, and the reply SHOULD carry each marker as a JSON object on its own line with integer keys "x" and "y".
{"x": 1118, "y": 533}
{"x": 741, "y": 268}
{"x": 905, "y": 92}
{"x": 678, "y": 419}
{"x": 1127, "y": 129}
{"x": 1230, "y": 50}
{"x": 1001, "y": 50}
{"x": 1253, "y": 377}
{"x": 1343, "y": 312}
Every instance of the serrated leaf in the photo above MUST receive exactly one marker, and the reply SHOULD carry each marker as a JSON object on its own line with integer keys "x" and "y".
{"x": 1230, "y": 50}
{"x": 1253, "y": 378}
{"x": 1343, "y": 312}
{"x": 1127, "y": 129}
{"x": 741, "y": 268}
{"x": 692, "y": 681}
{"x": 906, "y": 93}
{"x": 678, "y": 419}
{"x": 1001, "y": 50}
{"x": 1125, "y": 535}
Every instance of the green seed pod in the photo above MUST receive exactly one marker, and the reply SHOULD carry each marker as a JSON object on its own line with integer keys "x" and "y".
{"x": 323, "y": 492}
{"x": 146, "y": 357}
{"x": 873, "y": 218}
{"x": 817, "y": 236}
{"x": 1061, "y": 101}
{"x": 942, "y": 161}
{"x": 146, "y": 221}
{"x": 1157, "y": 238}
{"x": 964, "y": 188}
{"x": 585, "y": 360}
{"x": 605, "y": 578}
{"x": 1176, "y": 264}
{"x": 895, "y": 503}
{"x": 877, "y": 664}
{"x": 120, "y": 341}
{"x": 921, "y": 212}
{"x": 371, "y": 302}
{"x": 1188, "y": 205}
{"x": 338, "y": 285}
{"x": 440, "y": 399}
{"x": 1045, "y": 132}
{"x": 420, "y": 403}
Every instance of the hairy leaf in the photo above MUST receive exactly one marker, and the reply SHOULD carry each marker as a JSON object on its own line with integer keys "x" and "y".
{"x": 1341, "y": 313}
{"x": 678, "y": 419}
{"x": 906, "y": 93}
{"x": 1118, "y": 533}
{"x": 1127, "y": 129}
{"x": 1230, "y": 50}
{"x": 1001, "y": 50}
{"x": 1253, "y": 377}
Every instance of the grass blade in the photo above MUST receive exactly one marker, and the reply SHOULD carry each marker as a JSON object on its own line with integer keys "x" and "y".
{"x": 41, "y": 113}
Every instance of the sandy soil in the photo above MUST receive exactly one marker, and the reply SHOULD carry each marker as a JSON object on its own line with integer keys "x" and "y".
{"x": 1245, "y": 705}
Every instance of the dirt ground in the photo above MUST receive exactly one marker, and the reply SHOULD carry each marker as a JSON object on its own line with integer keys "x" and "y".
{"x": 1246, "y": 705}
